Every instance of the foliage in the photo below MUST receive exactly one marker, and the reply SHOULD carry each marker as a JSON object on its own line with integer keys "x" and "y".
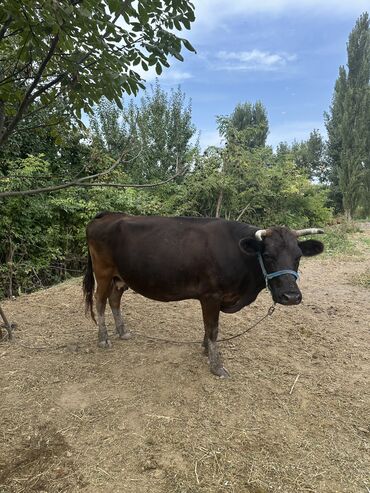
{"x": 76, "y": 52}
{"x": 310, "y": 155}
{"x": 257, "y": 188}
{"x": 246, "y": 127}
{"x": 158, "y": 131}
{"x": 42, "y": 238}
{"x": 348, "y": 123}
{"x": 26, "y": 229}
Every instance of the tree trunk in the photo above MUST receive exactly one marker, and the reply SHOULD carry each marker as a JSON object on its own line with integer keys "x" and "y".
{"x": 348, "y": 215}
{"x": 9, "y": 261}
{"x": 219, "y": 203}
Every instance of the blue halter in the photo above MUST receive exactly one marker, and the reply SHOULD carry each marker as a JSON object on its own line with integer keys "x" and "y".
{"x": 274, "y": 274}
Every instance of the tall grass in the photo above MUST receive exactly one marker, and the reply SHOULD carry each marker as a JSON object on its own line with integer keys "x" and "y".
{"x": 338, "y": 242}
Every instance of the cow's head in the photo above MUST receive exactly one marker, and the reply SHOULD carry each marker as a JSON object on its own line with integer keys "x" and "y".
{"x": 278, "y": 249}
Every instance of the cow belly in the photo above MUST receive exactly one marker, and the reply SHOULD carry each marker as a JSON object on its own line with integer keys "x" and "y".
{"x": 160, "y": 289}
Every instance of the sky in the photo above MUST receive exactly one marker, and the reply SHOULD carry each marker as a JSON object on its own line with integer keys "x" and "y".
{"x": 285, "y": 53}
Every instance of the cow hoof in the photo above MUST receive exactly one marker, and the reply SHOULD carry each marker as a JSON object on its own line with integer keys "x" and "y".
{"x": 105, "y": 344}
{"x": 220, "y": 372}
{"x": 125, "y": 336}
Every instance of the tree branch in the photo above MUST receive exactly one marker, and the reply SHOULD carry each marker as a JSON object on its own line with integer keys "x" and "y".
{"x": 42, "y": 107}
{"x": 2, "y": 117}
{"x": 15, "y": 73}
{"x": 81, "y": 184}
{"x": 28, "y": 98}
{"x": 42, "y": 125}
{"x": 13, "y": 33}
{"x": 128, "y": 185}
{"x": 5, "y": 27}
{"x": 243, "y": 212}
{"x": 85, "y": 182}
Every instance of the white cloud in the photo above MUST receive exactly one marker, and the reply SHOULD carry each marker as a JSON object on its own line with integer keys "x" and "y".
{"x": 176, "y": 75}
{"x": 169, "y": 75}
{"x": 254, "y": 60}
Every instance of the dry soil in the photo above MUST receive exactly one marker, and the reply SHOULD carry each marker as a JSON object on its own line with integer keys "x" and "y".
{"x": 149, "y": 417}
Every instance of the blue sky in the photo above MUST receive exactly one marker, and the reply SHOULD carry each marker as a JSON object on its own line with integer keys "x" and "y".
{"x": 285, "y": 53}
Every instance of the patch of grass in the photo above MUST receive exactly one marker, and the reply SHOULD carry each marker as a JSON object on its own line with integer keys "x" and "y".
{"x": 362, "y": 279}
{"x": 337, "y": 242}
{"x": 350, "y": 226}
{"x": 366, "y": 241}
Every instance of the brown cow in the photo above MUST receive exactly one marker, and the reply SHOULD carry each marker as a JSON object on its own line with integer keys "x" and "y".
{"x": 223, "y": 264}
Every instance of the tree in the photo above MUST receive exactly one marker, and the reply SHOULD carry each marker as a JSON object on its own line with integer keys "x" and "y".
{"x": 348, "y": 123}
{"x": 310, "y": 155}
{"x": 158, "y": 130}
{"x": 163, "y": 129}
{"x": 245, "y": 129}
{"x": 108, "y": 126}
{"x": 247, "y": 126}
{"x": 261, "y": 188}
{"x": 71, "y": 53}
{"x": 78, "y": 51}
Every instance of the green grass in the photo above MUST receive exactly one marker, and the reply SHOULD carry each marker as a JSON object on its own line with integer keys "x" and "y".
{"x": 366, "y": 241}
{"x": 338, "y": 242}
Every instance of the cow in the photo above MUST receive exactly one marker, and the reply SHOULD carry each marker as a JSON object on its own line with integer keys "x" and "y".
{"x": 223, "y": 264}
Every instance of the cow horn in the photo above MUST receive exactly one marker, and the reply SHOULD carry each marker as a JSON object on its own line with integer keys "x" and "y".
{"x": 260, "y": 233}
{"x": 309, "y": 231}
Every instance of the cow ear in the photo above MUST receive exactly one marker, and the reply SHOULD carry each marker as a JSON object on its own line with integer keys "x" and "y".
{"x": 250, "y": 246}
{"x": 311, "y": 247}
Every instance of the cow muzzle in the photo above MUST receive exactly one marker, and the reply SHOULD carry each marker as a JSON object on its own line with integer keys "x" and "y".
{"x": 290, "y": 298}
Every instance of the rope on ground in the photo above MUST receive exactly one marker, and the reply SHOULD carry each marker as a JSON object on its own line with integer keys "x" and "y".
{"x": 43, "y": 347}
{"x": 270, "y": 311}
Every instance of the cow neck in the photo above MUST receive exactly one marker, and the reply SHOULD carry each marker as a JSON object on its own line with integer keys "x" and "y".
{"x": 271, "y": 275}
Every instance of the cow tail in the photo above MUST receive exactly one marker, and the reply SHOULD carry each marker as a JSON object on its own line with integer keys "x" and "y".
{"x": 88, "y": 286}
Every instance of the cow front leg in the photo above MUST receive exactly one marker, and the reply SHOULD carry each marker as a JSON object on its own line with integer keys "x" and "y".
{"x": 211, "y": 314}
{"x": 115, "y": 302}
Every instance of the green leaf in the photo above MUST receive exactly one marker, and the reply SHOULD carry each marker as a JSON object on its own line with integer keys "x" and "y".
{"x": 118, "y": 103}
{"x": 84, "y": 11}
{"x": 178, "y": 56}
{"x": 158, "y": 68}
{"x": 188, "y": 45}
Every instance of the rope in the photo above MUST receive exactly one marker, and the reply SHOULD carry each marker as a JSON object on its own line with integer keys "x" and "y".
{"x": 38, "y": 348}
{"x": 270, "y": 311}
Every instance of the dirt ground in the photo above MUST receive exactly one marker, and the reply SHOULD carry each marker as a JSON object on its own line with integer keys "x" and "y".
{"x": 149, "y": 417}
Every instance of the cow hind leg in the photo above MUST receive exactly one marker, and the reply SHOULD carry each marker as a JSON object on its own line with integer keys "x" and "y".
{"x": 211, "y": 313}
{"x": 115, "y": 296}
{"x": 104, "y": 286}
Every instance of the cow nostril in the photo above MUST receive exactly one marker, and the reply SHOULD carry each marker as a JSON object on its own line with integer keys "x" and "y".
{"x": 292, "y": 298}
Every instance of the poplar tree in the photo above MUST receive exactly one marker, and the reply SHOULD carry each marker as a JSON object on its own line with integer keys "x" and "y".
{"x": 348, "y": 123}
